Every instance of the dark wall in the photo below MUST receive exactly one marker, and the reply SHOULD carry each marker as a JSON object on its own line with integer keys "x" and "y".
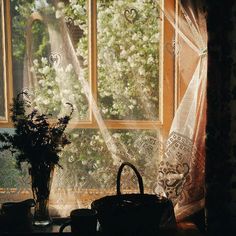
{"x": 221, "y": 117}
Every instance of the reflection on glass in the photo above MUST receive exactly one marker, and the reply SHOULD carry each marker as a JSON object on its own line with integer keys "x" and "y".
{"x": 2, "y": 98}
{"x": 40, "y": 57}
{"x": 128, "y": 59}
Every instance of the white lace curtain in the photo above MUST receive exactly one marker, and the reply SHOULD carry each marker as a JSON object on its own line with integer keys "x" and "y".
{"x": 174, "y": 167}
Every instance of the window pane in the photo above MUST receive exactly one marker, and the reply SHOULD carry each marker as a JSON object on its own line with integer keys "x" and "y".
{"x": 40, "y": 59}
{"x": 89, "y": 162}
{"x": 2, "y": 98}
{"x": 128, "y": 59}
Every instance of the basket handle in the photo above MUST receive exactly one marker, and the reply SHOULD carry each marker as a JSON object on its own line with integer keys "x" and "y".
{"x": 140, "y": 180}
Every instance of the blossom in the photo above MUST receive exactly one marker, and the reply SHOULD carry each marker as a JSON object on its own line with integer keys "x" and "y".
{"x": 150, "y": 60}
{"x": 44, "y": 60}
{"x": 69, "y": 68}
{"x": 57, "y": 79}
{"x": 75, "y": 135}
{"x": 66, "y": 91}
{"x": 104, "y": 110}
{"x": 45, "y": 70}
{"x": 131, "y": 107}
{"x": 135, "y": 36}
{"x": 41, "y": 81}
{"x": 145, "y": 38}
{"x": 36, "y": 62}
{"x": 46, "y": 101}
{"x": 73, "y": 1}
{"x": 133, "y": 101}
{"x": 58, "y": 14}
{"x": 132, "y": 48}
{"x": 71, "y": 97}
{"x": 123, "y": 53}
{"x": 141, "y": 70}
{"x": 77, "y": 22}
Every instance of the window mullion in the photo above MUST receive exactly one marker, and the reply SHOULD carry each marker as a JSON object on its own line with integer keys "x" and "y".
{"x": 92, "y": 21}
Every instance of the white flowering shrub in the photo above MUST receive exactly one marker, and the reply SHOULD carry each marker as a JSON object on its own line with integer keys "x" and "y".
{"x": 128, "y": 59}
{"x": 128, "y": 56}
{"x": 55, "y": 87}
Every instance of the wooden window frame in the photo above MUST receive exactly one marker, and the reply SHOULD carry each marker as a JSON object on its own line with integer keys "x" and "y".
{"x": 7, "y": 62}
{"x": 167, "y": 89}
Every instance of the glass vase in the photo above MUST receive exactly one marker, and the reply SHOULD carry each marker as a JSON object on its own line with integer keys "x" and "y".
{"x": 41, "y": 176}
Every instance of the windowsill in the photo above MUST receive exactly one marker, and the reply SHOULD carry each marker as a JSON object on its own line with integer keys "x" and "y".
{"x": 52, "y": 228}
{"x": 183, "y": 229}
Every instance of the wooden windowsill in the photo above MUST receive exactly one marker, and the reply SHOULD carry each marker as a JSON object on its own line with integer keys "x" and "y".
{"x": 183, "y": 229}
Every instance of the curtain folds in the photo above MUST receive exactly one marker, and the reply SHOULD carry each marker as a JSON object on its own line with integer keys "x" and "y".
{"x": 180, "y": 173}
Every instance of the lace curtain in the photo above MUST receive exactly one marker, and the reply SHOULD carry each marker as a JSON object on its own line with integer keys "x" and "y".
{"x": 183, "y": 166}
{"x": 172, "y": 166}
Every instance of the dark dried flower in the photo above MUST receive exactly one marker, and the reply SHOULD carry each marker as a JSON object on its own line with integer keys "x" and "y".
{"x": 35, "y": 140}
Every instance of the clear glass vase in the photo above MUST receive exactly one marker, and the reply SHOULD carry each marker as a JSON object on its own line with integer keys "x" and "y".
{"x": 41, "y": 176}
{"x": 41, "y": 214}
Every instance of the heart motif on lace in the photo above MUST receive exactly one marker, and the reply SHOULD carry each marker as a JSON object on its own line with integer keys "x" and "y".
{"x": 131, "y": 15}
{"x": 55, "y": 58}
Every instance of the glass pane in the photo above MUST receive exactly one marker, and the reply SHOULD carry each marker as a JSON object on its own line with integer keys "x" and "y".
{"x": 88, "y": 162}
{"x": 128, "y": 36}
{"x": 2, "y": 78}
{"x": 41, "y": 62}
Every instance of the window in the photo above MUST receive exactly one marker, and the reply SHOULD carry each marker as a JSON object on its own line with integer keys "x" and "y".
{"x": 127, "y": 90}
{"x": 102, "y": 34}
